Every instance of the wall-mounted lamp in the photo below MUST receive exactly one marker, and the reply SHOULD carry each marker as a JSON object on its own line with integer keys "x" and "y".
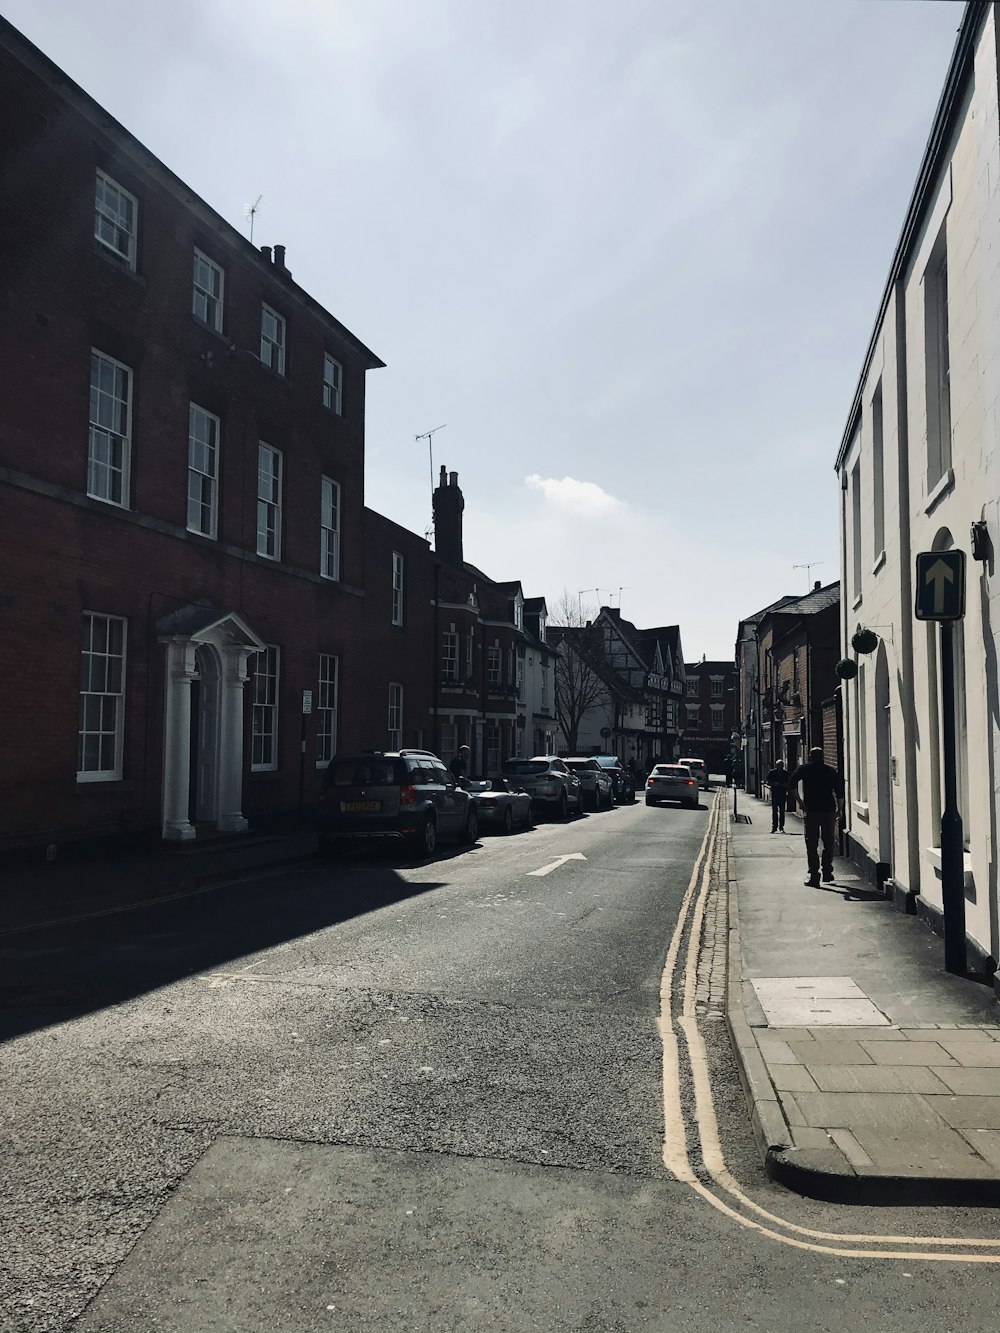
{"x": 980, "y": 538}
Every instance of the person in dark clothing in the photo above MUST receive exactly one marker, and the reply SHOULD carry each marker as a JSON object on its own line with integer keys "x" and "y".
{"x": 777, "y": 780}
{"x": 822, "y": 798}
{"x": 460, "y": 766}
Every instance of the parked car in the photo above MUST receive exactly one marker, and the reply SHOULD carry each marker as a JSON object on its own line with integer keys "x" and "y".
{"x": 699, "y": 770}
{"x": 501, "y": 804}
{"x": 621, "y": 779}
{"x": 596, "y": 788}
{"x": 672, "y": 782}
{"x": 547, "y": 781}
{"x": 406, "y": 794}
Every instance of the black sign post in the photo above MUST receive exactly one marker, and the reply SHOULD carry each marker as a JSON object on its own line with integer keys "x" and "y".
{"x": 941, "y": 597}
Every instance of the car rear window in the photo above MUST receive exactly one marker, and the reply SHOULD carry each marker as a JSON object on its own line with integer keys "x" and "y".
{"x": 672, "y": 771}
{"x": 362, "y": 773}
{"x": 516, "y": 766}
{"x": 607, "y": 763}
{"x": 581, "y": 765}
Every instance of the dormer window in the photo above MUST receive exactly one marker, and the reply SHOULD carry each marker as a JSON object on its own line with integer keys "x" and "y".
{"x": 541, "y": 626}
{"x": 519, "y": 612}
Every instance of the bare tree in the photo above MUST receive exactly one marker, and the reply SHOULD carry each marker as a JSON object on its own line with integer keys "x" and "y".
{"x": 580, "y": 669}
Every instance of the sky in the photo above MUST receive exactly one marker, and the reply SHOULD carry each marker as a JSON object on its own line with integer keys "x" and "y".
{"x": 629, "y": 257}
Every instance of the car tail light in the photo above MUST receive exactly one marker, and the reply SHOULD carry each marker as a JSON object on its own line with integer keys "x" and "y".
{"x": 691, "y": 782}
{"x": 407, "y": 796}
{"x": 649, "y": 782}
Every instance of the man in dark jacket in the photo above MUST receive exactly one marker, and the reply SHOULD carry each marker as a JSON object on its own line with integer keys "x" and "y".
{"x": 460, "y": 766}
{"x": 777, "y": 780}
{"x": 822, "y": 798}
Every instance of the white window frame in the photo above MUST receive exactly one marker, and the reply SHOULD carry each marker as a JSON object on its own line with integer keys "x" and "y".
{"x": 210, "y": 298}
{"x": 494, "y": 665}
{"x": 470, "y": 652}
{"x": 329, "y": 522}
{"x": 203, "y": 471}
{"x": 861, "y": 733}
{"x": 691, "y": 687}
{"x": 266, "y": 685}
{"x": 333, "y": 384}
{"x": 718, "y": 717}
{"x": 937, "y": 363}
{"x": 394, "y": 730}
{"x": 518, "y": 613}
{"x": 856, "y": 584}
{"x": 102, "y": 697}
{"x": 108, "y": 408}
{"x": 114, "y": 229}
{"x": 398, "y": 571}
{"x": 326, "y": 708}
{"x": 273, "y": 343}
{"x": 449, "y": 656}
{"x": 716, "y": 683}
{"x": 692, "y": 714}
{"x": 269, "y": 479}
{"x": 878, "y": 473}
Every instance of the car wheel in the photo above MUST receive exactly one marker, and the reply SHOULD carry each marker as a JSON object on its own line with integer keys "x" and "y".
{"x": 426, "y": 840}
{"x": 529, "y": 818}
{"x": 471, "y": 831}
{"x": 693, "y": 805}
{"x": 508, "y": 820}
{"x": 563, "y": 806}
{"x": 649, "y": 802}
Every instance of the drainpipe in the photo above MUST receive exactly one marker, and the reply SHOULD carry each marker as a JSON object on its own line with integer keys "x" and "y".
{"x": 845, "y": 720}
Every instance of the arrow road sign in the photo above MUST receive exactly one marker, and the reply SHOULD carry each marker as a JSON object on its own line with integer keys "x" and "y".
{"x": 940, "y": 585}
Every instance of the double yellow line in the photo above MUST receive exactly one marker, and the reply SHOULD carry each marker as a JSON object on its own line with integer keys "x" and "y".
{"x": 702, "y": 1127}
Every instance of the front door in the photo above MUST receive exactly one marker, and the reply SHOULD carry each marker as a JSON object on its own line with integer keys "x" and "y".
{"x": 205, "y": 737}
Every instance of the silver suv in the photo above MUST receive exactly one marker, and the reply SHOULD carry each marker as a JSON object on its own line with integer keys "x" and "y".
{"x": 547, "y": 781}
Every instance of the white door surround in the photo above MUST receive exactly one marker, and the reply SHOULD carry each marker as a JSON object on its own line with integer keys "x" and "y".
{"x": 210, "y": 646}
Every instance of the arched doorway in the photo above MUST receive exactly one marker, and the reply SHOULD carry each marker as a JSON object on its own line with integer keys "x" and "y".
{"x": 883, "y": 760}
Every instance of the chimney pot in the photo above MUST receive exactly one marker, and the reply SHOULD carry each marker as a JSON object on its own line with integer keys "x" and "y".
{"x": 266, "y": 252}
{"x": 453, "y": 479}
{"x": 817, "y": 585}
{"x": 279, "y": 256}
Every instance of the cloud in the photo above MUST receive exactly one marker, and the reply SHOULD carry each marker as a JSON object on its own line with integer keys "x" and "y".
{"x": 570, "y": 496}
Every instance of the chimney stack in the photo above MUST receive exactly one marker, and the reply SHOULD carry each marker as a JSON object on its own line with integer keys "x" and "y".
{"x": 279, "y": 256}
{"x": 448, "y": 506}
{"x": 266, "y": 252}
{"x": 817, "y": 585}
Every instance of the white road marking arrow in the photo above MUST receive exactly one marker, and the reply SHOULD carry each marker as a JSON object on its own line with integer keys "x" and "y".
{"x": 559, "y": 861}
{"x": 939, "y": 574}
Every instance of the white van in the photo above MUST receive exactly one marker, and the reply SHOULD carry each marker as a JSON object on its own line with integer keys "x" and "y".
{"x": 698, "y": 771}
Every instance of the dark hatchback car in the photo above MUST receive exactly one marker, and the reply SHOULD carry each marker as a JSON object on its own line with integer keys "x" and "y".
{"x": 624, "y": 782}
{"x": 406, "y": 794}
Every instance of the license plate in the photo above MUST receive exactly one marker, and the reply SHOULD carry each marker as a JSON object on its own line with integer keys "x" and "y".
{"x": 365, "y": 807}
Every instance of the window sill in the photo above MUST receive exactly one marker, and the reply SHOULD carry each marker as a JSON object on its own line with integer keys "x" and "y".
{"x": 940, "y": 490}
{"x": 259, "y": 774}
{"x": 103, "y": 784}
{"x": 118, "y": 262}
{"x": 934, "y": 856}
{"x": 879, "y": 561}
{"x": 860, "y": 808}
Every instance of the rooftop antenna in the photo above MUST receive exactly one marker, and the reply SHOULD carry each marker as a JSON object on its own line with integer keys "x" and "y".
{"x": 250, "y": 212}
{"x": 428, "y": 435}
{"x": 808, "y": 568}
{"x": 579, "y": 598}
{"x": 620, "y": 591}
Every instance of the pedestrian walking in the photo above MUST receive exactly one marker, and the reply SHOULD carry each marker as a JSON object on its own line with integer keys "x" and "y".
{"x": 777, "y": 780}
{"x": 822, "y": 799}
{"x": 460, "y": 766}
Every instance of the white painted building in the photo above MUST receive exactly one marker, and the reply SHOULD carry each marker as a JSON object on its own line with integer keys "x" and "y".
{"x": 918, "y": 466}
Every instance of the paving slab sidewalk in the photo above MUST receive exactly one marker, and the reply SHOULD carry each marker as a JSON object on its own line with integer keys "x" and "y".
{"x": 872, "y": 1074}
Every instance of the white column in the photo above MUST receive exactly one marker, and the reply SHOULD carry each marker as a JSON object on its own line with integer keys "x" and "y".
{"x": 181, "y": 672}
{"x": 234, "y": 674}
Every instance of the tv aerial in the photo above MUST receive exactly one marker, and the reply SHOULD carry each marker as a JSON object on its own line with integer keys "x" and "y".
{"x": 250, "y": 211}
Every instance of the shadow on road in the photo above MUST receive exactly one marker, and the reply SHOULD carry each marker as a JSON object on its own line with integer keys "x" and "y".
{"x": 58, "y": 972}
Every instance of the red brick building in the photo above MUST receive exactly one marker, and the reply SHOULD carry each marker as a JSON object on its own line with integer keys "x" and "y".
{"x": 710, "y": 713}
{"x": 182, "y": 520}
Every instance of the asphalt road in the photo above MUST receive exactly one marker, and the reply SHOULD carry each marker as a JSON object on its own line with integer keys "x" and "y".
{"x": 388, "y": 1095}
